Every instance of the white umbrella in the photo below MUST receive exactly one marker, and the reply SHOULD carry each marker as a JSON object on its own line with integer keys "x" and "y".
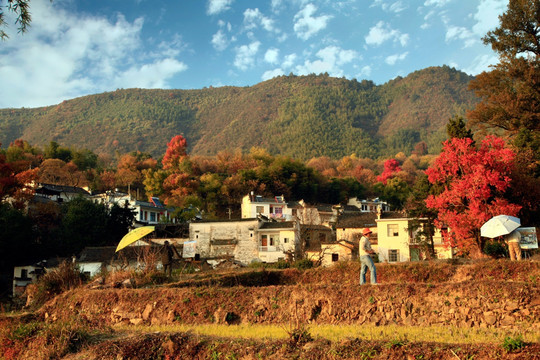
{"x": 499, "y": 225}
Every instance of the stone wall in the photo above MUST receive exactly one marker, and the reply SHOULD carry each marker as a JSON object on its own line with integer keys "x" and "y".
{"x": 476, "y": 304}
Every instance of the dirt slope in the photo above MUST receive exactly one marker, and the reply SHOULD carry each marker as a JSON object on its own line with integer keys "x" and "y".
{"x": 485, "y": 295}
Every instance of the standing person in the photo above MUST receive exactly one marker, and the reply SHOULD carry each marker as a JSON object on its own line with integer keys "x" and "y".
{"x": 365, "y": 260}
{"x": 167, "y": 255}
{"x": 514, "y": 249}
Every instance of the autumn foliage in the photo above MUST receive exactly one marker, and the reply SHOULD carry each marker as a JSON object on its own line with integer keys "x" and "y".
{"x": 391, "y": 168}
{"x": 475, "y": 181}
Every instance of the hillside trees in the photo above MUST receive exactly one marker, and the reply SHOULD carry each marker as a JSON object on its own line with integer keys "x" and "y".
{"x": 475, "y": 181}
{"x": 16, "y": 176}
{"x": 176, "y": 181}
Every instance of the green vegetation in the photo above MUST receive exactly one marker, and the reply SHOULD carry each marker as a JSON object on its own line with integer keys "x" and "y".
{"x": 513, "y": 343}
{"x": 298, "y": 116}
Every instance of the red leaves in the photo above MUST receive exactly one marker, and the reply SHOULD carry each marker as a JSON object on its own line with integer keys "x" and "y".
{"x": 475, "y": 180}
{"x": 391, "y": 167}
{"x": 176, "y": 151}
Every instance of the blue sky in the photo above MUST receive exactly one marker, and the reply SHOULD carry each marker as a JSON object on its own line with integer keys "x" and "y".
{"x": 77, "y": 47}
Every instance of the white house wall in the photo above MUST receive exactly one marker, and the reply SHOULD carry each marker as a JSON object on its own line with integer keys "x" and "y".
{"x": 243, "y": 245}
{"x": 400, "y": 242}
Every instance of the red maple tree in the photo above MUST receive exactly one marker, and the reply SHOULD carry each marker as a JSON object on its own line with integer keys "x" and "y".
{"x": 391, "y": 168}
{"x": 475, "y": 181}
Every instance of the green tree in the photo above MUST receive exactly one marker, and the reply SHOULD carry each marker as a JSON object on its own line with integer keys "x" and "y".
{"x": 17, "y": 236}
{"x": 423, "y": 224}
{"x": 456, "y": 128}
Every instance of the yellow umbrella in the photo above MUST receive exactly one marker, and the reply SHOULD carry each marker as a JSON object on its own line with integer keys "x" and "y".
{"x": 134, "y": 235}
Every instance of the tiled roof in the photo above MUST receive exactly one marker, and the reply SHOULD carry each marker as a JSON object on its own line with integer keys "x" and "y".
{"x": 394, "y": 215}
{"x": 61, "y": 189}
{"x": 108, "y": 253}
{"x": 278, "y": 225}
{"x": 357, "y": 221}
{"x": 314, "y": 227}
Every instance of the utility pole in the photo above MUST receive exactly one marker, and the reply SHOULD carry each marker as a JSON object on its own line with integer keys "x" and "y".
{"x": 230, "y": 212}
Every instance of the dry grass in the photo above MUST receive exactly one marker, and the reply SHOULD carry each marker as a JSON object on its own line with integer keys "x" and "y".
{"x": 443, "y": 335}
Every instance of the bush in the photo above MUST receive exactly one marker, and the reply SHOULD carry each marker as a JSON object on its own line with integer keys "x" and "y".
{"x": 495, "y": 249}
{"x": 303, "y": 264}
{"x": 510, "y": 344}
{"x": 66, "y": 277}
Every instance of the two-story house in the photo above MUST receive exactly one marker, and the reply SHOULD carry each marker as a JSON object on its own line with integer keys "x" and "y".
{"x": 369, "y": 206}
{"x": 146, "y": 212}
{"x": 273, "y": 208}
{"x": 397, "y": 240}
{"x": 244, "y": 240}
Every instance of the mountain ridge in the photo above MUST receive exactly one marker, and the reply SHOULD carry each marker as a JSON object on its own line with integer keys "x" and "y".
{"x": 297, "y": 116}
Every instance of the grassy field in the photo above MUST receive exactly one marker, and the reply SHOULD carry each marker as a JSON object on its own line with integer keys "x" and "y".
{"x": 440, "y": 334}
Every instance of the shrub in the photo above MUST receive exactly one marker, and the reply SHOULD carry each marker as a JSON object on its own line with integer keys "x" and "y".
{"x": 303, "y": 264}
{"x": 66, "y": 277}
{"x": 513, "y": 343}
{"x": 299, "y": 335}
{"x": 495, "y": 249}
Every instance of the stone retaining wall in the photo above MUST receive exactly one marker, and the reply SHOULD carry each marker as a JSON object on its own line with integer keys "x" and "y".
{"x": 471, "y": 304}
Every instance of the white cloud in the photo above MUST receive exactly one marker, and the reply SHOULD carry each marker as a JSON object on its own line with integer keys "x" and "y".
{"x": 487, "y": 16}
{"x": 245, "y": 55}
{"x": 481, "y": 63}
{"x": 219, "y": 40}
{"x": 365, "y": 71}
{"x": 215, "y": 7}
{"x": 437, "y": 3}
{"x": 267, "y": 75}
{"x": 275, "y": 5}
{"x": 336, "y": 56}
{"x": 382, "y": 32}
{"x": 149, "y": 75}
{"x": 392, "y": 6}
{"x": 289, "y": 61}
{"x": 306, "y": 25}
{"x": 331, "y": 58}
{"x": 271, "y": 56}
{"x": 461, "y": 33}
{"x": 392, "y": 59}
{"x": 253, "y": 18}
{"x": 64, "y": 56}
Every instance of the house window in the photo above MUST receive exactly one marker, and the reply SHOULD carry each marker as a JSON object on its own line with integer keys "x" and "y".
{"x": 152, "y": 216}
{"x": 278, "y": 211}
{"x": 285, "y": 240}
{"x": 393, "y": 255}
{"x": 259, "y": 209}
{"x": 24, "y": 274}
{"x": 335, "y": 257}
{"x": 272, "y": 241}
{"x": 393, "y": 230}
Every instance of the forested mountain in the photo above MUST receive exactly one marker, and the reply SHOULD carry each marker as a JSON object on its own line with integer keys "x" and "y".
{"x": 300, "y": 116}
